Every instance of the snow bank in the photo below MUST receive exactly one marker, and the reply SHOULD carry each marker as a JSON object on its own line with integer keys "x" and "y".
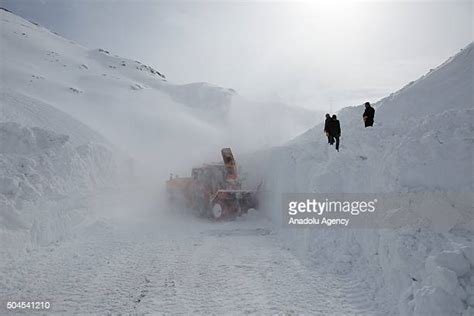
{"x": 420, "y": 147}
{"x": 31, "y": 112}
{"x": 42, "y": 180}
{"x": 51, "y": 167}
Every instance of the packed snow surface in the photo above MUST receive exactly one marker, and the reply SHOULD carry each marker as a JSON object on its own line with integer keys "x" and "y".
{"x": 175, "y": 264}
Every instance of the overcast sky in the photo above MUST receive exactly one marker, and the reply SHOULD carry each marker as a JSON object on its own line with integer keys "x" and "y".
{"x": 317, "y": 54}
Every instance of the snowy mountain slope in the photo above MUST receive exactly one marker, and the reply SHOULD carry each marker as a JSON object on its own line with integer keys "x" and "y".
{"x": 421, "y": 146}
{"x": 30, "y": 112}
{"x": 108, "y": 93}
{"x": 132, "y": 104}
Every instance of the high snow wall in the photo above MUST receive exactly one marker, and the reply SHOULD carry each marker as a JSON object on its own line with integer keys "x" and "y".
{"x": 46, "y": 183}
{"x": 421, "y": 146}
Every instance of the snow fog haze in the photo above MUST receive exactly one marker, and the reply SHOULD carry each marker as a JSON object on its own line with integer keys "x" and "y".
{"x": 117, "y": 198}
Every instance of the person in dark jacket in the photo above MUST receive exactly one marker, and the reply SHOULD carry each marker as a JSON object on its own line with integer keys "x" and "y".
{"x": 335, "y": 130}
{"x": 368, "y": 115}
{"x": 326, "y": 129}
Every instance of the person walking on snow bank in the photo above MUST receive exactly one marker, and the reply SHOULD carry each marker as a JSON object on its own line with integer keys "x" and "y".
{"x": 326, "y": 129}
{"x": 368, "y": 115}
{"x": 335, "y": 130}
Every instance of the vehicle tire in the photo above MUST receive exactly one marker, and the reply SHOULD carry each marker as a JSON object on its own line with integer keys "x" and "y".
{"x": 217, "y": 211}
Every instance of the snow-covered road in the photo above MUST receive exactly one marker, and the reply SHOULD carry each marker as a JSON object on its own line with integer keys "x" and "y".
{"x": 178, "y": 265}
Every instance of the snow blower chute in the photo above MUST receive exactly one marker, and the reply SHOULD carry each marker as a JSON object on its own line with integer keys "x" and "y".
{"x": 213, "y": 190}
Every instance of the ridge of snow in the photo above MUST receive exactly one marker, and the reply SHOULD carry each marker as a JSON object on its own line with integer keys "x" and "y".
{"x": 30, "y": 112}
{"x": 422, "y": 146}
{"x": 40, "y": 171}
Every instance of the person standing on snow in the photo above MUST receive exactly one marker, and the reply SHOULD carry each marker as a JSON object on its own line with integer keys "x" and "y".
{"x": 368, "y": 115}
{"x": 335, "y": 130}
{"x": 327, "y": 122}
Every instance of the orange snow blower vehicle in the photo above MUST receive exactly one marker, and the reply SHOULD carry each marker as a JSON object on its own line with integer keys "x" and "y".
{"x": 213, "y": 190}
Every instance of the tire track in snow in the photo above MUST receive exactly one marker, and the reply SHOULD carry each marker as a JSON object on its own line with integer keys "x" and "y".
{"x": 182, "y": 268}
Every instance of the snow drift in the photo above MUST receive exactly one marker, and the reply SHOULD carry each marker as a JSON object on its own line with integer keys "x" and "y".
{"x": 43, "y": 178}
{"x": 421, "y": 146}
